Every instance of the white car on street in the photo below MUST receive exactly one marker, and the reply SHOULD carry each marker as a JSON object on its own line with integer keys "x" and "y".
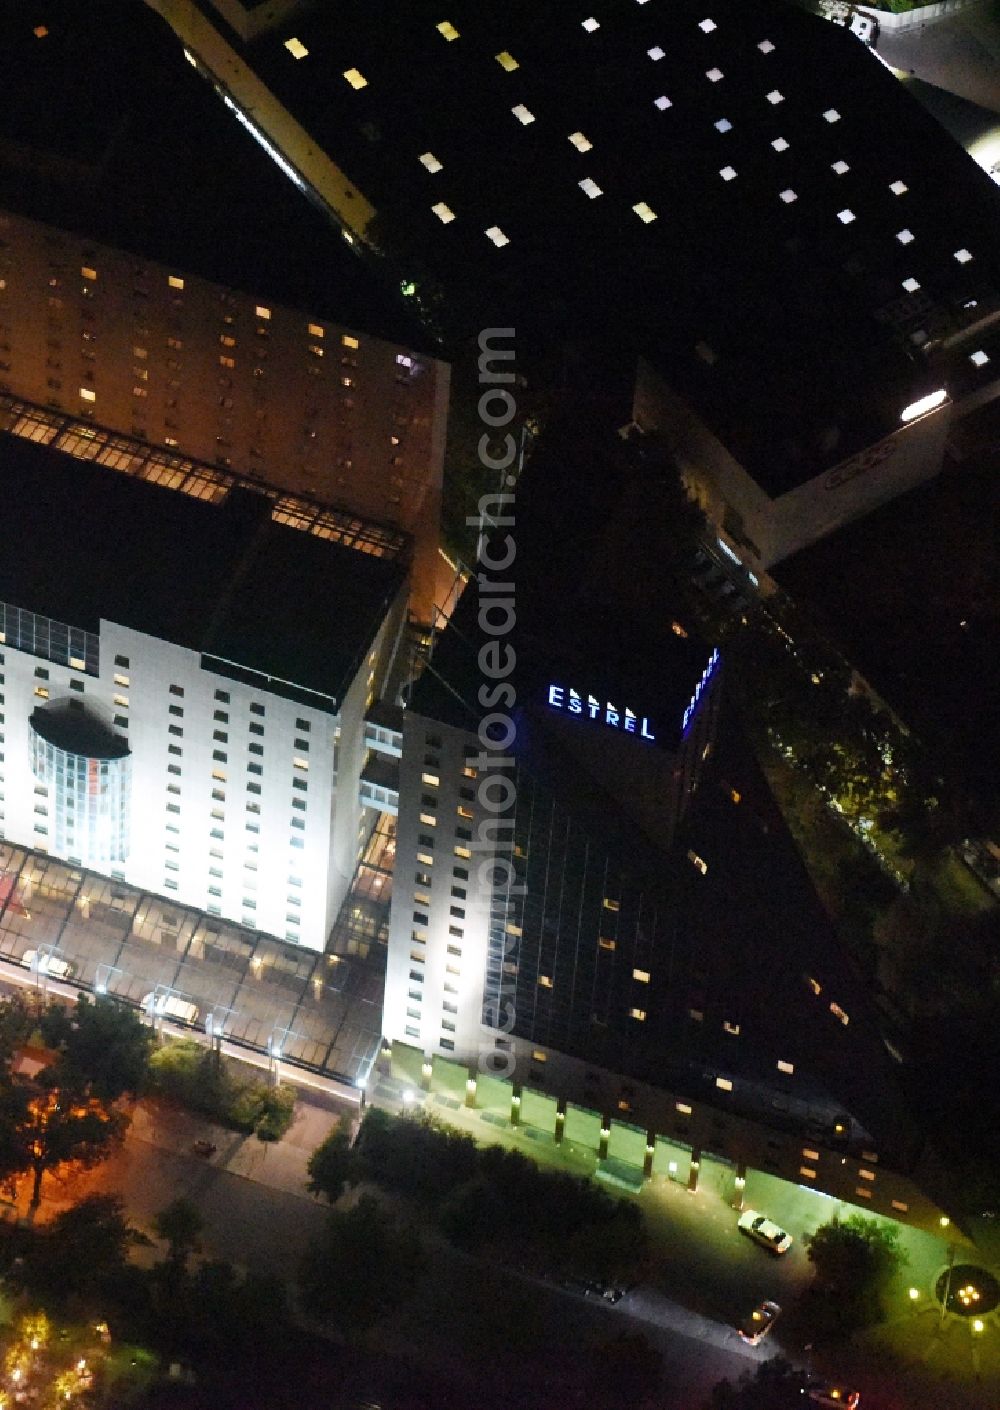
{"x": 47, "y": 963}
{"x": 759, "y": 1228}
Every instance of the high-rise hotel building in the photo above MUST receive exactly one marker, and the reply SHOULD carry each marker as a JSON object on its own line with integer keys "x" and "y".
{"x": 227, "y": 378}
{"x": 186, "y": 666}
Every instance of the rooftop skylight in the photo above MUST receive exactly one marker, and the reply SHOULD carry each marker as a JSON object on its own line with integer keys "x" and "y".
{"x": 296, "y": 48}
{"x": 645, "y": 213}
{"x": 507, "y": 61}
{"x": 355, "y": 79}
{"x": 430, "y": 161}
{"x": 591, "y": 188}
{"x": 448, "y": 30}
{"x": 497, "y": 236}
{"x": 444, "y": 213}
{"x": 522, "y": 114}
{"x": 580, "y": 142}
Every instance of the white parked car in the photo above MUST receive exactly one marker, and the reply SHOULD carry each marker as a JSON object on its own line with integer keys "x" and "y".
{"x": 169, "y": 1006}
{"x": 864, "y": 26}
{"x": 47, "y": 964}
{"x": 759, "y": 1228}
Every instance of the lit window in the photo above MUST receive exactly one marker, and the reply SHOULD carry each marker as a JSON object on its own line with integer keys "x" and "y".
{"x": 663, "y": 103}
{"x": 41, "y": 692}
{"x": 866, "y": 1174}
{"x": 656, "y": 53}
{"x": 788, "y": 196}
{"x": 838, "y": 1012}
{"x": 807, "y": 1171}
{"x": 779, "y": 144}
{"x": 724, "y": 1084}
{"x": 433, "y": 780}
{"x": 698, "y": 862}
{"x": 814, "y": 984}
{"x": 641, "y": 975}
{"x": 904, "y": 237}
{"x": 296, "y": 48}
{"x": 810, "y": 1154}
{"x": 300, "y": 763}
{"x": 444, "y": 213}
{"x": 765, "y": 46}
{"x": 911, "y": 285}
{"x": 175, "y": 282}
{"x": 979, "y": 358}
{"x": 683, "y": 1108}
{"x": 545, "y": 981}
{"x": 706, "y": 26}
{"x": 537, "y": 1056}
{"x": 733, "y": 1028}
{"x": 88, "y": 394}
{"x": 122, "y": 701}
{"x": 495, "y": 234}
{"x": 355, "y": 79}
{"x": 862, "y": 1193}
{"x": 430, "y": 161}
{"x": 840, "y": 167}
{"x": 88, "y": 273}
{"x": 775, "y": 97}
{"x": 898, "y": 188}
{"x": 591, "y": 24}
{"x": 348, "y": 342}
{"x": 728, "y": 173}
{"x": 832, "y": 115}
{"x": 425, "y": 859}
{"x": 428, "y": 819}
{"x": 723, "y": 125}
{"x": 506, "y": 61}
{"x": 963, "y": 256}
{"x": 79, "y": 665}
{"x": 714, "y": 75}
{"x": 901, "y": 1206}
{"x": 605, "y": 944}
{"x": 645, "y": 213}
{"x": 522, "y": 114}
{"x": 639, "y": 1014}
{"x": 448, "y": 30}
{"x": 787, "y": 1067}
{"x": 580, "y": 142}
{"x": 314, "y": 329}
{"x": 463, "y": 853}
{"x": 845, "y": 216}
{"x": 590, "y": 188}
{"x": 262, "y": 312}
{"x": 697, "y": 1015}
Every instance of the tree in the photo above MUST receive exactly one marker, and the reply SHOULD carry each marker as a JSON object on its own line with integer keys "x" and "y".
{"x": 179, "y": 1224}
{"x": 17, "y": 1020}
{"x": 43, "y": 1126}
{"x": 853, "y": 1259}
{"x": 102, "y": 1047}
{"x": 776, "y": 1385}
{"x": 362, "y": 1268}
{"x": 82, "y": 1253}
{"x": 332, "y": 1165}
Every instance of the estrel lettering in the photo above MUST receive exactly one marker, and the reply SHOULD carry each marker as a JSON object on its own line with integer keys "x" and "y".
{"x": 573, "y": 702}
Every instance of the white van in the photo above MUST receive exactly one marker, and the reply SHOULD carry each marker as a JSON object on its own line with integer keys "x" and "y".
{"x": 169, "y": 1006}
{"x": 47, "y": 964}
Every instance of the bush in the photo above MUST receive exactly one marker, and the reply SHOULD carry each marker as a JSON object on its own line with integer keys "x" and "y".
{"x": 185, "y": 1072}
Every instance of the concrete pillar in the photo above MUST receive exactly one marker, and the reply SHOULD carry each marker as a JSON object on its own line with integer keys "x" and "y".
{"x": 426, "y": 1073}
{"x": 695, "y": 1170}
{"x": 470, "y": 1088}
{"x": 647, "y": 1164}
{"x": 602, "y": 1149}
{"x": 515, "y": 1104}
{"x": 560, "y": 1120}
{"x": 741, "y": 1184}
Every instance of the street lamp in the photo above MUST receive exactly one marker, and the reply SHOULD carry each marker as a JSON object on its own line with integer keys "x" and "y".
{"x": 914, "y": 1294}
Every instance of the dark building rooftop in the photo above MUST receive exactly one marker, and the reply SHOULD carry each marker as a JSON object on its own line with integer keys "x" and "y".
{"x": 106, "y": 130}
{"x": 741, "y": 189}
{"x": 224, "y": 579}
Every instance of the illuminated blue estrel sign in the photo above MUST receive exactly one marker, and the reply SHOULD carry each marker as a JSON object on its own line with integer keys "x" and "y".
{"x": 699, "y": 690}
{"x": 566, "y": 698}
